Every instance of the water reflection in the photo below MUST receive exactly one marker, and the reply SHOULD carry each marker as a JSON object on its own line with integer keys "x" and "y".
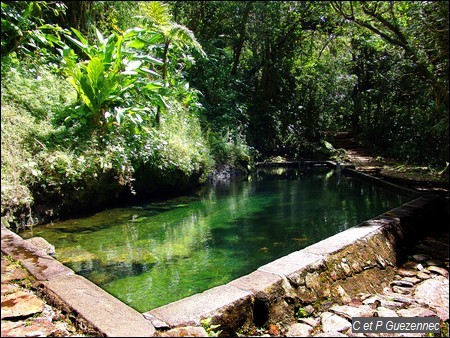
{"x": 153, "y": 254}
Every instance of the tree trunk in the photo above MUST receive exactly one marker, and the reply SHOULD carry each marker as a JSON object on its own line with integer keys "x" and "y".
{"x": 76, "y": 14}
{"x": 237, "y": 48}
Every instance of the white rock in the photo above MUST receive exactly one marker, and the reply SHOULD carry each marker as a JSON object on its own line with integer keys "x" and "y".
{"x": 332, "y": 322}
{"x": 299, "y": 330}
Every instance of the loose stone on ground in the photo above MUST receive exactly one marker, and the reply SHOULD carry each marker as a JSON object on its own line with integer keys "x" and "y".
{"x": 24, "y": 313}
{"x": 299, "y": 330}
{"x": 419, "y": 289}
{"x": 332, "y": 322}
{"x": 21, "y": 304}
{"x": 424, "y": 279}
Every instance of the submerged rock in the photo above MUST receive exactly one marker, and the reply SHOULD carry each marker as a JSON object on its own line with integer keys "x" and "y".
{"x": 72, "y": 255}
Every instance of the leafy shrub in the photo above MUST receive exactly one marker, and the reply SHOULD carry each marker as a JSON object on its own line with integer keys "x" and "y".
{"x": 30, "y": 94}
{"x": 84, "y": 141}
{"x": 16, "y": 196}
{"x": 32, "y": 86}
{"x": 229, "y": 148}
{"x": 181, "y": 144}
{"x": 117, "y": 81}
{"x": 22, "y": 22}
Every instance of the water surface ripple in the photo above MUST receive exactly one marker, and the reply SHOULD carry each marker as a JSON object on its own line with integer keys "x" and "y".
{"x": 153, "y": 254}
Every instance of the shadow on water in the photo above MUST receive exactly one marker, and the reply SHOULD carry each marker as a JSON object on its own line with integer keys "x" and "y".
{"x": 151, "y": 254}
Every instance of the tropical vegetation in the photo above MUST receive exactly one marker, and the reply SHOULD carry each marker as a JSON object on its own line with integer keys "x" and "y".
{"x": 105, "y": 101}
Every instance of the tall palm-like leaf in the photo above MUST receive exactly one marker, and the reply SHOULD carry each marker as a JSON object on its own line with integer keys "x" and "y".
{"x": 175, "y": 38}
{"x": 179, "y": 37}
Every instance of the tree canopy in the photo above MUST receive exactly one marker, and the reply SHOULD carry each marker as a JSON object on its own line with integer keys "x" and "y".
{"x": 295, "y": 70}
{"x": 151, "y": 94}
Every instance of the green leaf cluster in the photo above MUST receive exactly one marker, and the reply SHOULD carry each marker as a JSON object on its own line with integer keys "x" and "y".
{"x": 211, "y": 329}
{"x": 116, "y": 82}
{"x": 24, "y": 25}
{"x": 117, "y": 118}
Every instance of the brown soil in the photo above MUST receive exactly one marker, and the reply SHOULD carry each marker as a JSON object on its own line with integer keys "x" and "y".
{"x": 412, "y": 176}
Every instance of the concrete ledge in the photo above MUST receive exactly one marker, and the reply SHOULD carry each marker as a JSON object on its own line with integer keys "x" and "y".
{"x": 229, "y": 307}
{"x": 94, "y": 310}
{"x": 380, "y": 182}
{"x": 97, "y": 311}
{"x": 295, "y": 164}
{"x": 292, "y": 263}
{"x": 272, "y": 294}
{"x": 336, "y": 242}
{"x": 37, "y": 262}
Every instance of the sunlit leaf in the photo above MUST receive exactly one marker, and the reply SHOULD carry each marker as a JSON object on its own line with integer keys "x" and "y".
{"x": 78, "y": 43}
{"x": 149, "y": 59}
{"x": 132, "y": 65}
{"x": 149, "y": 71}
{"x": 80, "y": 37}
{"x": 153, "y": 86}
{"x": 109, "y": 48}
{"x": 95, "y": 71}
{"x": 119, "y": 114}
{"x": 137, "y": 44}
{"x": 129, "y": 72}
{"x": 132, "y": 32}
{"x": 99, "y": 36}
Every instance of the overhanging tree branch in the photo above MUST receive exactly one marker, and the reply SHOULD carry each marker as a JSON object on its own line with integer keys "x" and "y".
{"x": 393, "y": 35}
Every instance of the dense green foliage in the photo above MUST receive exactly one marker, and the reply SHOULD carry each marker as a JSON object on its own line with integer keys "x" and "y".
{"x": 288, "y": 72}
{"x": 110, "y": 111}
{"x": 106, "y": 99}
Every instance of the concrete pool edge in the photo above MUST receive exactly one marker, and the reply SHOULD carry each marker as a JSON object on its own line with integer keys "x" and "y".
{"x": 94, "y": 310}
{"x": 336, "y": 267}
{"x": 327, "y": 269}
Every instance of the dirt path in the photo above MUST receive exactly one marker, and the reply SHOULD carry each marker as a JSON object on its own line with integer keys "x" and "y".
{"x": 420, "y": 286}
{"x": 25, "y": 313}
{"x": 417, "y": 177}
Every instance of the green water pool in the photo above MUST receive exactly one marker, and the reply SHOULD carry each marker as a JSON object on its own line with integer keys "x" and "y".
{"x": 152, "y": 254}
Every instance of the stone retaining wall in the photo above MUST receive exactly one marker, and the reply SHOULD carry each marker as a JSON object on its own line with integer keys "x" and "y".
{"x": 94, "y": 310}
{"x": 359, "y": 259}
